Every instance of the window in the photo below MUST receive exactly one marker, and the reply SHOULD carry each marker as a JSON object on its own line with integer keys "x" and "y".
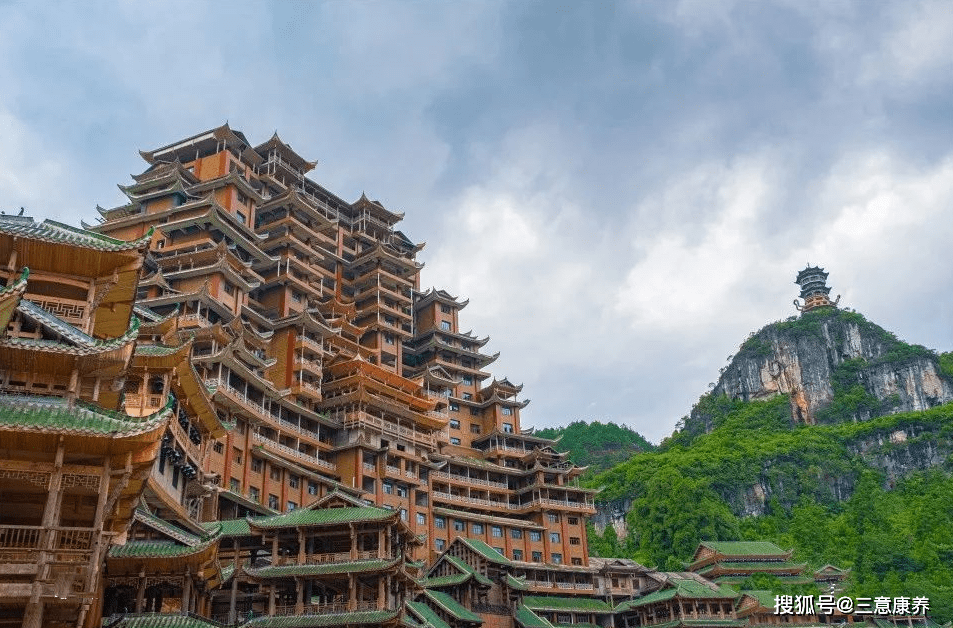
{"x": 240, "y": 426}
{"x": 401, "y": 491}
{"x": 291, "y": 506}
{"x": 254, "y": 493}
{"x": 257, "y": 465}
{"x": 273, "y": 502}
{"x": 537, "y": 557}
{"x": 388, "y": 488}
{"x": 459, "y": 526}
{"x": 403, "y": 514}
{"x": 293, "y": 481}
{"x": 467, "y": 396}
{"x": 421, "y": 519}
{"x": 389, "y": 339}
{"x": 497, "y": 532}
{"x": 507, "y": 411}
{"x": 475, "y": 428}
{"x": 517, "y": 554}
{"x": 219, "y": 447}
{"x": 312, "y": 488}
{"x": 467, "y": 380}
{"x": 553, "y": 518}
{"x": 455, "y": 424}
{"x": 454, "y": 440}
{"x": 474, "y": 412}
{"x": 296, "y": 296}
{"x": 445, "y": 325}
{"x": 508, "y": 428}
{"x": 241, "y": 217}
{"x": 275, "y": 474}
{"x": 557, "y": 559}
{"x": 577, "y": 561}
{"x": 439, "y": 522}
{"x": 574, "y": 521}
{"x": 236, "y": 485}
{"x": 439, "y": 544}
{"x": 228, "y": 288}
{"x": 477, "y": 528}
{"x": 535, "y": 535}
{"x": 574, "y": 540}
{"x": 516, "y": 534}
{"x": 160, "y": 244}
{"x": 444, "y": 308}
{"x": 500, "y": 550}
{"x": 455, "y": 407}
{"x": 554, "y": 537}
{"x": 236, "y": 455}
{"x": 242, "y": 199}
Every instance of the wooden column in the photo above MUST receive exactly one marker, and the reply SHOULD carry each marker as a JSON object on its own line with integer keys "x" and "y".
{"x": 231, "y": 600}
{"x": 353, "y": 543}
{"x": 299, "y": 603}
{"x": 352, "y": 587}
{"x": 302, "y": 555}
{"x": 380, "y": 544}
{"x": 382, "y": 588}
{"x": 186, "y": 591}
{"x": 271, "y": 600}
{"x": 141, "y": 593}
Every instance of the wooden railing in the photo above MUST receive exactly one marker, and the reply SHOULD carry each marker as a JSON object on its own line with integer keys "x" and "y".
{"x": 310, "y": 458}
{"x": 31, "y": 537}
{"x": 462, "y": 478}
{"x": 332, "y": 608}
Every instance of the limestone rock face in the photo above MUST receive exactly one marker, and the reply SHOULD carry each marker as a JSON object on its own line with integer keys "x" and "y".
{"x": 828, "y": 351}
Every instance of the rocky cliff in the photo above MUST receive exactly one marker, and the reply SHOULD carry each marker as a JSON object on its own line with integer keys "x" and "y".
{"x": 836, "y": 366}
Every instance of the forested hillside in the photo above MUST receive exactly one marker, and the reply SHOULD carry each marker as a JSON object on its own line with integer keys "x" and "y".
{"x": 874, "y": 495}
{"x": 597, "y": 445}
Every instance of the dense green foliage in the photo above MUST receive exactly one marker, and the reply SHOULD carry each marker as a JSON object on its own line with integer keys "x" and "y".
{"x": 814, "y": 491}
{"x": 597, "y": 445}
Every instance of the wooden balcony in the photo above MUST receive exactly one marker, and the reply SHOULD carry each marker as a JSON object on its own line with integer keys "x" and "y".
{"x": 281, "y": 449}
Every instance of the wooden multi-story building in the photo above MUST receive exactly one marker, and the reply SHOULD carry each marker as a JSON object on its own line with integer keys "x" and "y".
{"x": 73, "y": 464}
{"x": 304, "y": 321}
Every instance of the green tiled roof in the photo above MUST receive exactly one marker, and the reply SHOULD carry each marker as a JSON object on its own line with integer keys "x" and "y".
{"x": 757, "y": 566}
{"x": 451, "y": 606}
{"x": 731, "y": 580}
{"x": 229, "y": 527}
{"x": 515, "y": 583}
{"x": 444, "y": 581}
{"x": 765, "y": 598}
{"x": 657, "y": 596}
{"x": 485, "y": 551}
{"x": 227, "y": 572}
{"x": 528, "y": 619}
{"x": 744, "y": 548}
{"x": 687, "y": 588}
{"x": 308, "y": 621}
{"x": 354, "y": 566}
{"x": 581, "y": 623}
{"x": 155, "y": 350}
{"x": 156, "y": 620}
{"x": 462, "y": 565}
{"x": 694, "y": 589}
{"x": 580, "y": 604}
{"x": 154, "y": 549}
{"x": 428, "y": 614}
{"x": 77, "y": 341}
{"x": 52, "y": 231}
{"x": 166, "y": 528}
{"x": 323, "y": 516}
{"x": 55, "y": 414}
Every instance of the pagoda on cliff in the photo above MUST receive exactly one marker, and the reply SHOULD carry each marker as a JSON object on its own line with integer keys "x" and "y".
{"x": 814, "y": 289}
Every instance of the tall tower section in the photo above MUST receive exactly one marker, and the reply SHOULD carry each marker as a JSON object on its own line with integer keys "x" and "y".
{"x": 814, "y": 289}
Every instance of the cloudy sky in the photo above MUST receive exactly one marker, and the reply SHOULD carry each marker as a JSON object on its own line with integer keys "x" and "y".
{"x": 622, "y": 190}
